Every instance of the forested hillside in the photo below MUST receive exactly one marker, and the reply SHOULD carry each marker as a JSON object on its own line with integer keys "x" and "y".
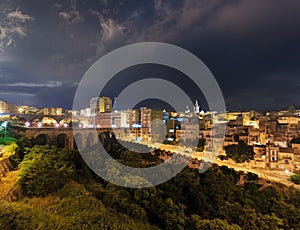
{"x": 60, "y": 192}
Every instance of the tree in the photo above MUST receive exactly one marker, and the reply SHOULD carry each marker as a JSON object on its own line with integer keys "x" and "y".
{"x": 172, "y": 214}
{"x": 296, "y": 140}
{"x": 295, "y": 178}
{"x": 215, "y": 224}
{"x": 240, "y": 152}
{"x": 45, "y": 169}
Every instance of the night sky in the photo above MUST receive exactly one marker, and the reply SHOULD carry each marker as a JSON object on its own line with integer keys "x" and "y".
{"x": 251, "y": 46}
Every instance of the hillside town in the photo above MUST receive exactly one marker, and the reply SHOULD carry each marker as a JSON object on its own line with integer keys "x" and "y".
{"x": 274, "y": 136}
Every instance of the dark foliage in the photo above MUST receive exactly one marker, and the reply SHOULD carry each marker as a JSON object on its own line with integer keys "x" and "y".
{"x": 240, "y": 152}
{"x": 191, "y": 200}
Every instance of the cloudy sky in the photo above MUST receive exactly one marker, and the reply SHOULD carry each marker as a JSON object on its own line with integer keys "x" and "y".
{"x": 251, "y": 46}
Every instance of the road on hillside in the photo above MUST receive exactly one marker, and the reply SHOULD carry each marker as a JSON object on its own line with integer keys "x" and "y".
{"x": 275, "y": 176}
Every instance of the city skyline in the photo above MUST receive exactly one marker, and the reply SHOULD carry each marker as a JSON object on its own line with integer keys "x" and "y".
{"x": 7, "y": 107}
{"x": 106, "y": 106}
{"x": 251, "y": 47}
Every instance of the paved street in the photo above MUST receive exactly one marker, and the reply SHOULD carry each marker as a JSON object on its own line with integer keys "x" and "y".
{"x": 272, "y": 175}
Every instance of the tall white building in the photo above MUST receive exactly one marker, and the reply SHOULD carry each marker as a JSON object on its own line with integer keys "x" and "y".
{"x": 7, "y": 107}
{"x": 101, "y": 104}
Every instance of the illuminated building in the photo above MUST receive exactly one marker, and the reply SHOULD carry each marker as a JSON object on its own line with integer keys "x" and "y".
{"x": 86, "y": 112}
{"x": 53, "y": 111}
{"x": 147, "y": 116}
{"x": 23, "y": 109}
{"x": 134, "y": 117}
{"x": 7, "y": 107}
{"x": 101, "y": 104}
{"x": 103, "y": 120}
{"x": 120, "y": 119}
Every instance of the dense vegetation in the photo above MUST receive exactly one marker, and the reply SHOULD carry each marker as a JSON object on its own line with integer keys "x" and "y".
{"x": 240, "y": 152}
{"x": 5, "y": 136}
{"x": 7, "y": 140}
{"x": 295, "y": 178}
{"x": 296, "y": 140}
{"x": 60, "y": 192}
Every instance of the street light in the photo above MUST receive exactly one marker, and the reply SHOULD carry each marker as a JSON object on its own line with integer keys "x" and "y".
{"x": 4, "y": 124}
{"x": 27, "y": 123}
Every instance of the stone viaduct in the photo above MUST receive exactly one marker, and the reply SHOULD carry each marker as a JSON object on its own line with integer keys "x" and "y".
{"x": 65, "y": 137}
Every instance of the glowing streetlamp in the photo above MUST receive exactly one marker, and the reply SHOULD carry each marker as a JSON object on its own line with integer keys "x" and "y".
{"x": 56, "y": 125}
{"x": 39, "y": 125}
{"x": 4, "y": 124}
{"x": 65, "y": 125}
{"x": 27, "y": 123}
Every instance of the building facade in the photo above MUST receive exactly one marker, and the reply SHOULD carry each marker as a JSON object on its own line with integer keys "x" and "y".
{"x": 53, "y": 111}
{"x": 6, "y": 107}
{"x": 101, "y": 104}
{"x": 148, "y": 115}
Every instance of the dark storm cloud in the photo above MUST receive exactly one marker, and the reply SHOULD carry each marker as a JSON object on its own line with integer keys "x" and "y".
{"x": 252, "y": 47}
{"x": 55, "y": 97}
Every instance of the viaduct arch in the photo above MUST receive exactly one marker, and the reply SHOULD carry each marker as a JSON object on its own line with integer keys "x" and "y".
{"x": 65, "y": 137}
